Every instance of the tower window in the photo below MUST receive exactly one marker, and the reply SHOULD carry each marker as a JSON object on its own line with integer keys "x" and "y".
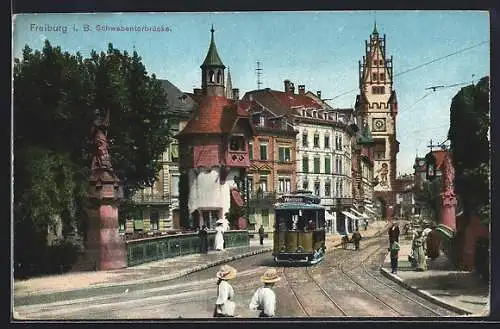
{"x": 375, "y": 76}
{"x": 382, "y": 90}
{"x": 211, "y": 76}
{"x": 381, "y": 62}
{"x": 375, "y": 62}
{"x": 219, "y": 74}
{"x": 382, "y": 76}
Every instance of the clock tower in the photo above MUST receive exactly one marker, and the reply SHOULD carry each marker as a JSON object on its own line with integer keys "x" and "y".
{"x": 376, "y": 106}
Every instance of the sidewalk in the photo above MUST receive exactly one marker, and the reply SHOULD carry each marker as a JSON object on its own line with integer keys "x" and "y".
{"x": 459, "y": 291}
{"x": 162, "y": 270}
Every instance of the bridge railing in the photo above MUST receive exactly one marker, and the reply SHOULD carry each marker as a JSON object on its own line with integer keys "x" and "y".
{"x": 156, "y": 248}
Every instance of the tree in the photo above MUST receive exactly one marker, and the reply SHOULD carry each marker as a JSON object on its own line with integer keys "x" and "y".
{"x": 468, "y": 133}
{"x": 55, "y": 97}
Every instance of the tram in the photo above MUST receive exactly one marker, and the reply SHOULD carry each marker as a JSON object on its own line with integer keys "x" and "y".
{"x": 299, "y": 230}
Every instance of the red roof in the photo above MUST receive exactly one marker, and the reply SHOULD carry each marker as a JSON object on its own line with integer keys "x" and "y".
{"x": 216, "y": 115}
{"x": 292, "y": 100}
{"x": 440, "y": 156}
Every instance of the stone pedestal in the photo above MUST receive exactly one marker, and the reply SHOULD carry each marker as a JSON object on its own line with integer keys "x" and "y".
{"x": 105, "y": 247}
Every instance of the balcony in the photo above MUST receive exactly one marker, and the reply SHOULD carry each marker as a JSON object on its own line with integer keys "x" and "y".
{"x": 262, "y": 198}
{"x": 238, "y": 159}
{"x": 143, "y": 198}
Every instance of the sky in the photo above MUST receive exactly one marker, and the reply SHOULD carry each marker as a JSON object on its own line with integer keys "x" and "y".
{"x": 320, "y": 50}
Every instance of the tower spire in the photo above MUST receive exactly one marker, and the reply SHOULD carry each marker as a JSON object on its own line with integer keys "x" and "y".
{"x": 229, "y": 85}
{"x": 375, "y": 27}
{"x": 212, "y": 71}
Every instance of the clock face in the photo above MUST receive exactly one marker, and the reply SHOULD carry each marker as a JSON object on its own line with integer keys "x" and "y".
{"x": 379, "y": 124}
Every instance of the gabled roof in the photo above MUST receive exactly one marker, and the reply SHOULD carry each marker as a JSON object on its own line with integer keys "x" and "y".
{"x": 279, "y": 102}
{"x": 216, "y": 115}
{"x": 178, "y": 102}
{"x": 212, "y": 58}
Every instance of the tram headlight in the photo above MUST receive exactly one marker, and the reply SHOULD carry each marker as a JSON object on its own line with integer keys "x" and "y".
{"x": 300, "y": 249}
{"x": 283, "y": 248}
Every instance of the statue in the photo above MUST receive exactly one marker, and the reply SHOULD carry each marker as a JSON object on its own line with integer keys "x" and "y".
{"x": 101, "y": 158}
{"x": 382, "y": 180}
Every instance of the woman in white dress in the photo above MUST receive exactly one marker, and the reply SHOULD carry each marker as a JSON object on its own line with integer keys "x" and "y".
{"x": 219, "y": 237}
{"x": 224, "y": 306}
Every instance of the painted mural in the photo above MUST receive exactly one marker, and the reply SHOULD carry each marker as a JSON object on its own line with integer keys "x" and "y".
{"x": 382, "y": 176}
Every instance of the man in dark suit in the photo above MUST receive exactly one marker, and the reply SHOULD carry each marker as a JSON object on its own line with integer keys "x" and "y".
{"x": 393, "y": 234}
{"x": 203, "y": 235}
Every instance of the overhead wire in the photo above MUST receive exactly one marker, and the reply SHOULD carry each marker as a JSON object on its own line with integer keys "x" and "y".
{"x": 420, "y": 66}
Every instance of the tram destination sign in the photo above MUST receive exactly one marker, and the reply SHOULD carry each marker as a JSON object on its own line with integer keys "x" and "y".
{"x": 297, "y": 199}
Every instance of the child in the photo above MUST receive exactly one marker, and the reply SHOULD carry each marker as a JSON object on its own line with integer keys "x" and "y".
{"x": 264, "y": 299}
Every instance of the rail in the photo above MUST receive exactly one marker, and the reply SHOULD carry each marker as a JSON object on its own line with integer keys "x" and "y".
{"x": 156, "y": 248}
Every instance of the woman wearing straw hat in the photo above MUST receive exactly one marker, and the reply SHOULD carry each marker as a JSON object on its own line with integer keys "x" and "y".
{"x": 224, "y": 307}
{"x": 264, "y": 299}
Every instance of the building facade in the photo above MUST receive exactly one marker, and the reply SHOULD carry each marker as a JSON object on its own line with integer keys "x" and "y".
{"x": 157, "y": 207}
{"x": 272, "y": 164}
{"x": 376, "y": 106}
{"x": 213, "y": 150}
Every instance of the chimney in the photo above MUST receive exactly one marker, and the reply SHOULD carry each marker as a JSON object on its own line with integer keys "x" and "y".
{"x": 318, "y": 93}
{"x": 302, "y": 89}
{"x": 197, "y": 91}
{"x": 236, "y": 94}
{"x": 287, "y": 85}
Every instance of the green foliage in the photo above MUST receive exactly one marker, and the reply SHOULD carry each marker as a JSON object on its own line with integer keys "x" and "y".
{"x": 55, "y": 96}
{"x": 469, "y": 126}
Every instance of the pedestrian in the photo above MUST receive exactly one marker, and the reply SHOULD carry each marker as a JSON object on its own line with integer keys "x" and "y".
{"x": 419, "y": 253}
{"x": 219, "y": 237}
{"x": 264, "y": 298}
{"x": 224, "y": 306}
{"x": 394, "y": 257}
{"x": 356, "y": 237}
{"x": 261, "y": 235}
{"x": 203, "y": 235}
{"x": 393, "y": 234}
{"x": 366, "y": 224}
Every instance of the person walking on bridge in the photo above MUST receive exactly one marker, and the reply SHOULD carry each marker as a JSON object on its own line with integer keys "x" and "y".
{"x": 264, "y": 299}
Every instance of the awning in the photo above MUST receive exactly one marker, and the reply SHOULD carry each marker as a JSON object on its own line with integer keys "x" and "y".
{"x": 359, "y": 214}
{"x": 237, "y": 197}
{"x": 370, "y": 210}
{"x": 350, "y": 215}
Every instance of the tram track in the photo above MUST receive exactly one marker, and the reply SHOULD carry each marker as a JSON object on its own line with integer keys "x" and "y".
{"x": 311, "y": 279}
{"x": 367, "y": 291}
{"x": 398, "y": 292}
{"x": 363, "y": 265}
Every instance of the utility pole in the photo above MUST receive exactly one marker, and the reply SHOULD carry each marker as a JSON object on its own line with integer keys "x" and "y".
{"x": 258, "y": 70}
